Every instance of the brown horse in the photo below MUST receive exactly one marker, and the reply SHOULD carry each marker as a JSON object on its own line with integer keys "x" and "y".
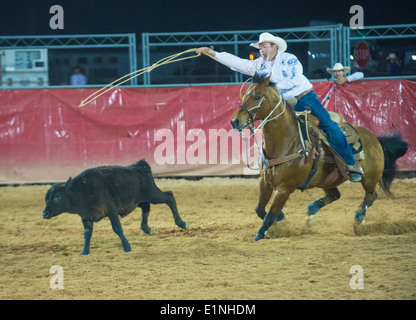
{"x": 285, "y": 163}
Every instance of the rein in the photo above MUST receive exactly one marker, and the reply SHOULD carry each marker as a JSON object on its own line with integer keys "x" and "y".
{"x": 265, "y": 120}
{"x": 268, "y": 163}
{"x": 253, "y": 130}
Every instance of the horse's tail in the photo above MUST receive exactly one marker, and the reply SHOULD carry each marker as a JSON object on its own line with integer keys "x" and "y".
{"x": 394, "y": 147}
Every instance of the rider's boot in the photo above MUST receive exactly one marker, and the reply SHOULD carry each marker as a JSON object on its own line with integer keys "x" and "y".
{"x": 355, "y": 172}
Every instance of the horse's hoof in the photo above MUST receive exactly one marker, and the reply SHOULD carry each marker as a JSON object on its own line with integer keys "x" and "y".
{"x": 359, "y": 215}
{"x": 310, "y": 221}
{"x": 258, "y": 237}
{"x": 186, "y": 226}
{"x": 359, "y": 223}
{"x": 359, "y": 228}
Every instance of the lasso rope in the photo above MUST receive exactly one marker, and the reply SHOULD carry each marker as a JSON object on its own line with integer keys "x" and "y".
{"x": 164, "y": 61}
{"x": 132, "y": 75}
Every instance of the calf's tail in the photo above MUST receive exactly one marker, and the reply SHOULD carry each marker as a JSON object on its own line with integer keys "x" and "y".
{"x": 394, "y": 147}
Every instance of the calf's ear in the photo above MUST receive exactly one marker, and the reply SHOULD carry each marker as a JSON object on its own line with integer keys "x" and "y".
{"x": 68, "y": 183}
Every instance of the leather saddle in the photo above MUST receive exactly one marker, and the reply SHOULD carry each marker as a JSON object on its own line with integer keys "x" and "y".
{"x": 315, "y": 141}
{"x": 347, "y": 129}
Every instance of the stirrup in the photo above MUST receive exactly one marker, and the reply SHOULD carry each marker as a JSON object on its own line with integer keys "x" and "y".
{"x": 355, "y": 168}
{"x": 355, "y": 177}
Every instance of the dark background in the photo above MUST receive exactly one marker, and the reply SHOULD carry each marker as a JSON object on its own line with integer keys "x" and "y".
{"x": 82, "y": 17}
{"x": 31, "y": 17}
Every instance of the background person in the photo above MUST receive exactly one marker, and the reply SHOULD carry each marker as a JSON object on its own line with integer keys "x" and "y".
{"x": 394, "y": 65}
{"x": 78, "y": 78}
{"x": 339, "y": 71}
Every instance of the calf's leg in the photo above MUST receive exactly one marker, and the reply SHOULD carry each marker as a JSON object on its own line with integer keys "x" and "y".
{"x": 115, "y": 223}
{"x": 168, "y": 198}
{"x": 145, "y": 214}
{"x": 88, "y": 227}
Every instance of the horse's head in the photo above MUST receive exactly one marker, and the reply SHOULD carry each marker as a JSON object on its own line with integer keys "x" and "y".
{"x": 257, "y": 103}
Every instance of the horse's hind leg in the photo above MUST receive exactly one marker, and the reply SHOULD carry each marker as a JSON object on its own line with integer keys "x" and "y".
{"x": 264, "y": 197}
{"x": 370, "y": 196}
{"x": 330, "y": 196}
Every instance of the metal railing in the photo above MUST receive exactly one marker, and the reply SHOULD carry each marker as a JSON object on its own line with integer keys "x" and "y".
{"x": 330, "y": 34}
{"x": 79, "y": 42}
{"x": 336, "y": 39}
{"x": 337, "y": 36}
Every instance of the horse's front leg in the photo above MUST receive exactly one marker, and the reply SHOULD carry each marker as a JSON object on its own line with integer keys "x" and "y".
{"x": 275, "y": 213}
{"x": 264, "y": 196}
{"x": 331, "y": 195}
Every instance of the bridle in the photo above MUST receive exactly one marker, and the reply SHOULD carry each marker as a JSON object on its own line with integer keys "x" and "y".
{"x": 265, "y": 120}
{"x": 250, "y": 114}
{"x": 253, "y": 130}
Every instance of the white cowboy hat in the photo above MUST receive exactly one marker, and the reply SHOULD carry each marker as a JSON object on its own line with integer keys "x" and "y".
{"x": 268, "y": 37}
{"x": 338, "y": 67}
{"x": 391, "y": 56}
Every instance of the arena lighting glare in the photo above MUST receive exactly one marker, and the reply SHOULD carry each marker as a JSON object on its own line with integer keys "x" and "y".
{"x": 252, "y": 56}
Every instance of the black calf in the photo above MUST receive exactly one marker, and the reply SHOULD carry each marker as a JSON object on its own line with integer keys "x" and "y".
{"x": 109, "y": 191}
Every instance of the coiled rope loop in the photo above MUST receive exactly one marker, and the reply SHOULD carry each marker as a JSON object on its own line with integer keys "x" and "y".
{"x": 132, "y": 75}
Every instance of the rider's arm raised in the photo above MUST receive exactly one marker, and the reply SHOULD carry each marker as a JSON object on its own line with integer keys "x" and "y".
{"x": 235, "y": 63}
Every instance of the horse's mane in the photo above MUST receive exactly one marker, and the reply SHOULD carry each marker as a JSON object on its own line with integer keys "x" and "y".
{"x": 260, "y": 78}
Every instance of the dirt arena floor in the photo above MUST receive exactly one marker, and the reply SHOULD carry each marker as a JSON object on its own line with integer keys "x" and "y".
{"x": 216, "y": 258}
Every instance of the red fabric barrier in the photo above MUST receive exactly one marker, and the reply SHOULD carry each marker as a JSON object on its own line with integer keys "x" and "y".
{"x": 46, "y": 137}
{"x": 384, "y": 107}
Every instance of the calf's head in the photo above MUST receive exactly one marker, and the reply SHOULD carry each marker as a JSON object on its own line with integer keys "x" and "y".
{"x": 56, "y": 200}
